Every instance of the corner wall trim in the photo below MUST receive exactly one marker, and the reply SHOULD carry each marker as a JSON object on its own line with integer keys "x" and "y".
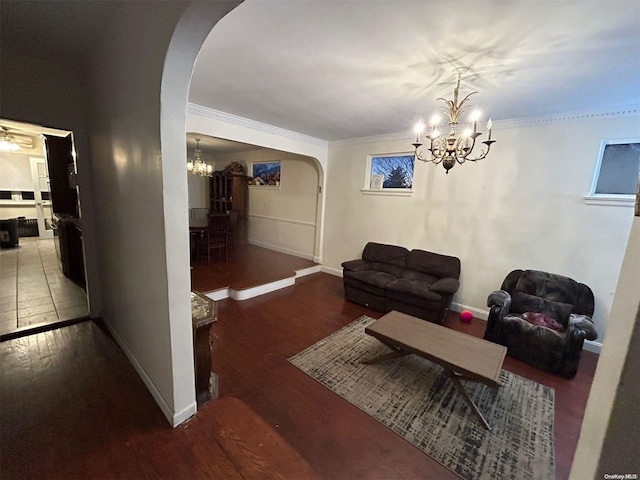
{"x": 174, "y": 418}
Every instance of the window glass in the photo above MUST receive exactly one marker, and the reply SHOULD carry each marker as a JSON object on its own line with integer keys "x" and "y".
{"x": 392, "y": 171}
{"x": 618, "y": 169}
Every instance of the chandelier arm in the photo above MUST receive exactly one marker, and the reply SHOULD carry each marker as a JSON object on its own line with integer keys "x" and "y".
{"x": 462, "y": 152}
{"x": 483, "y": 153}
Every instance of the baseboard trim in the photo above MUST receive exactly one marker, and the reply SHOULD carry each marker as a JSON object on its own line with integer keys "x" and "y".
{"x": 591, "y": 346}
{"x": 174, "y": 418}
{"x": 477, "y": 313}
{"x": 262, "y": 289}
{"x": 308, "y": 271}
{"x": 332, "y": 271}
{"x": 246, "y": 293}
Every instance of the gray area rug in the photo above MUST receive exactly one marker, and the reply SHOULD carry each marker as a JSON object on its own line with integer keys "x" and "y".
{"x": 413, "y": 398}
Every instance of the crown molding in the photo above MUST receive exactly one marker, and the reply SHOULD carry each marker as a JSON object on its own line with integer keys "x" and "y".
{"x": 252, "y": 124}
{"x": 628, "y": 111}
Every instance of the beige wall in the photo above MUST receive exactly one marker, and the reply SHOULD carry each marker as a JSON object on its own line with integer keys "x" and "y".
{"x": 521, "y": 207}
{"x": 282, "y": 219}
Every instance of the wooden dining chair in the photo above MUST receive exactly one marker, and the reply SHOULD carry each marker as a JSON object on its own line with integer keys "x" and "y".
{"x": 217, "y": 236}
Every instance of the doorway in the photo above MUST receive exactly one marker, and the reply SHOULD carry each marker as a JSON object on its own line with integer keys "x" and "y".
{"x": 42, "y": 282}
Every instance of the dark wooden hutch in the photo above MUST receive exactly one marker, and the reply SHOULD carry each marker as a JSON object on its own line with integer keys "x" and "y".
{"x": 229, "y": 194}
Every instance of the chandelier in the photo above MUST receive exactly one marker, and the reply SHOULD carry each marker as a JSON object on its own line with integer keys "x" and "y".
{"x": 198, "y": 166}
{"x": 7, "y": 141}
{"x": 451, "y": 149}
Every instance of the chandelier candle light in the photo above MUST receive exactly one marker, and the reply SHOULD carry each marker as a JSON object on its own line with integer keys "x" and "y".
{"x": 450, "y": 149}
{"x": 198, "y": 166}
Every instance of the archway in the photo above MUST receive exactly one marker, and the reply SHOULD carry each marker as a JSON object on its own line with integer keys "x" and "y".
{"x": 189, "y": 34}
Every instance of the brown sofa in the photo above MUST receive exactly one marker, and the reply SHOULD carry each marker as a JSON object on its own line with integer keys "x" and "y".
{"x": 390, "y": 277}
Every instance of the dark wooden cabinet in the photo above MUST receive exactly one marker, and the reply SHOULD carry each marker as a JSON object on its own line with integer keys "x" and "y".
{"x": 204, "y": 312}
{"x": 61, "y": 169}
{"x": 229, "y": 194}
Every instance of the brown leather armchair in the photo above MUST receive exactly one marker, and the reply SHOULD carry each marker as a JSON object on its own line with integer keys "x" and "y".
{"x": 527, "y": 305}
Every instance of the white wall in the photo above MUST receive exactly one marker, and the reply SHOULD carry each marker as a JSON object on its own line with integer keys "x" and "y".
{"x": 284, "y": 218}
{"x": 139, "y": 157}
{"x": 198, "y": 191}
{"x": 521, "y": 207}
{"x": 126, "y": 152}
{"x": 15, "y": 175}
{"x": 603, "y": 427}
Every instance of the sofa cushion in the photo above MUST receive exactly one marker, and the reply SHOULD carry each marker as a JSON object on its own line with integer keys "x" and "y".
{"x": 391, "y": 254}
{"x": 412, "y": 291}
{"x": 552, "y": 294}
{"x": 523, "y": 302}
{"x": 389, "y": 268}
{"x": 369, "y": 280}
{"x": 418, "y": 276}
{"x": 434, "y": 264}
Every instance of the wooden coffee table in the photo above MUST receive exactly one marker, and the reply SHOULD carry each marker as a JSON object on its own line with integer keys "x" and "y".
{"x": 462, "y": 356}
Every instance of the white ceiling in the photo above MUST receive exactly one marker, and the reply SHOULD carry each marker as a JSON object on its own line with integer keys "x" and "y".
{"x": 345, "y": 69}
{"x": 337, "y": 69}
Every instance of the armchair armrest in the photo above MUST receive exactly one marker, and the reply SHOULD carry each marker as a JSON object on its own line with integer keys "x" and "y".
{"x": 356, "y": 265}
{"x": 445, "y": 285}
{"x": 584, "y": 324}
{"x": 499, "y": 298}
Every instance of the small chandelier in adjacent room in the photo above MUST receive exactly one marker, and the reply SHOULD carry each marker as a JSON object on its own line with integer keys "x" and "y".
{"x": 8, "y": 141}
{"x": 451, "y": 149}
{"x": 198, "y": 166}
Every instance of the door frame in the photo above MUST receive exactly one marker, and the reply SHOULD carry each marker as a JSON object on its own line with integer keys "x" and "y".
{"x": 44, "y": 220}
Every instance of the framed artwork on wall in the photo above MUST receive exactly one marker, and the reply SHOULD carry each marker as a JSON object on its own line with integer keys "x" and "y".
{"x": 266, "y": 174}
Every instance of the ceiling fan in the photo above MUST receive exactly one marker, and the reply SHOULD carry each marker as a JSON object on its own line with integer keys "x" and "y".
{"x": 10, "y": 142}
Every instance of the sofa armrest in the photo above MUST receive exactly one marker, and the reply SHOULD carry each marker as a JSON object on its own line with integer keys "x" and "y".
{"x": 584, "y": 324}
{"x": 356, "y": 265}
{"x": 445, "y": 285}
{"x": 501, "y": 299}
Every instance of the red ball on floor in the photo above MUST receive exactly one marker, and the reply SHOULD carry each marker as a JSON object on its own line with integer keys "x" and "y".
{"x": 466, "y": 316}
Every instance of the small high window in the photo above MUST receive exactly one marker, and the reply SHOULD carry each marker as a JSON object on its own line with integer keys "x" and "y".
{"x": 615, "y": 179}
{"x": 389, "y": 173}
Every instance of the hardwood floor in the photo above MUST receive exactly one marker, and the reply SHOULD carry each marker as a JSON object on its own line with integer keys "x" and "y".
{"x": 73, "y": 407}
{"x": 248, "y": 266}
{"x": 34, "y": 293}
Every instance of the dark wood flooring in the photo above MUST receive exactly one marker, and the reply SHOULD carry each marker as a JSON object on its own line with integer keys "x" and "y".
{"x": 248, "y": 266}
{"x": 73, "y": 407}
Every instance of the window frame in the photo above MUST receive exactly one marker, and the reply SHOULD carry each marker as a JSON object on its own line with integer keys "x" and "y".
{"x": 401, "y": 192}
{"x": 610, "y": 199}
